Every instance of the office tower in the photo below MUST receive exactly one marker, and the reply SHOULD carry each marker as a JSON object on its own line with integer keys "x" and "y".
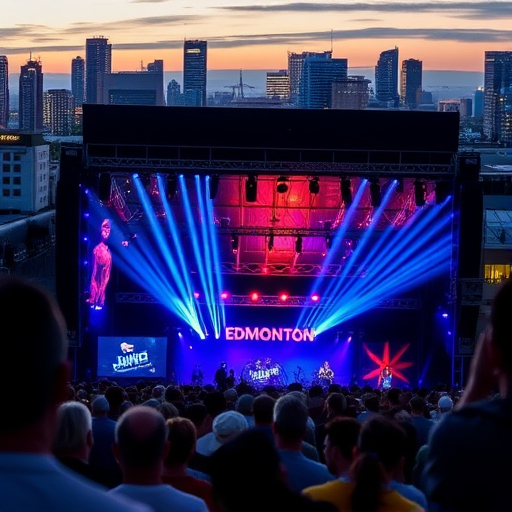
{"x": 318, "y": 75}
{"x": 448, "y": 106}
{"x": 386, "y": 78}
{"x": 278, "y": 84}
{"x": 194, "y": 73}
{"x": 478, "y": 102}
{"x": 174, "y": 96}
{"x": 156, "y": 67}
{"x": 78, "y": 80}
{"x": 4, "y": 91}
{"x": 59, "y": 111}
{"x": 295, "y": 67}
{"x": 31, "y": 96}
{"x": 98, "y": 62}
{"x": 411, "y": 83}
{"x": 134, "y": 88}
{"x": 351, "y": 93}
{"x": 498, "y": 97}
{"x": 466, "y": 107}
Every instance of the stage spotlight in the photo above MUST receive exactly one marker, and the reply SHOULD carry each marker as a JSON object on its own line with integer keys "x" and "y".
{"x": 442, "y": 191}
{"x": 104, "y": 187}
{"x": 315, "y": 297}
{"x": 283, "y": 297}
{"x": 420, "y": 189}
{"x": 346, "y": 191}
{"x": 254, "y": 297}
{"x": 399, "y": 185}
{"x": 196, "y": 295}
{"x": 271, "y": 243}
{"x": 298, "y": 245}
{"x": 214, "y": 185}
{"x": 328, "y": 241}
{"x": 282, "y": 186}
{"x": 234, "y": 243}
{"x": 314, "y": 185}
{"x": 375, "y": 195}
{"x": 172, "y": 186}
{"x": 251, "y": 189}
{"x": 224, "y": 295}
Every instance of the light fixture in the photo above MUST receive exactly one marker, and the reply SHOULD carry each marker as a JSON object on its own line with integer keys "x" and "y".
{"x": 442, "y": 191}
{"x": 251, "y": 189}
{"x": 234, "y": 243}
{"x": 282, "y": 185}
{"x": 399, "y": 185}
{"x": 420, "y": 189}
{"x": 346, "y": 191}
{"x": 104, "y": 187}
{"x": 214, "y": 185}
{"x": 375, "y": 195}
{"x": 283, "y": 297}
{"x": 172, "y": 186}
{"x": 271, "y": 243}
{"x": 255, "y": 297}
{"x": 315, "y": 297}
{"x": 314, "y": 186}
{"x": 298, "y": 245}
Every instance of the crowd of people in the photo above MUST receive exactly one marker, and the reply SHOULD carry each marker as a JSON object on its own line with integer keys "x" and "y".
{"x": 154, "y": 447}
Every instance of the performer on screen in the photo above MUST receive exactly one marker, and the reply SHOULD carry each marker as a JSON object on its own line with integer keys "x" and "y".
{"x": 385, "y": 378}
{"x": 101, "y": 267}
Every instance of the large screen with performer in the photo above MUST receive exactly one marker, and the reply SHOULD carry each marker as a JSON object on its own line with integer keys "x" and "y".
{"x": 121, "y": 356}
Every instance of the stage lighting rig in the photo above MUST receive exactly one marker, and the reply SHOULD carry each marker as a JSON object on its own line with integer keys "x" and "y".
{"x": 282, "y": 186}
{"x": 251, "y": 189}
{"x": 346, "y": 191}
{"x": 314, "y": 185}
{"x": 375, "y": 194}
{"x": 420, "y": 191}
{"x": 214, "y": 185}
{"x": 298, "y": 245}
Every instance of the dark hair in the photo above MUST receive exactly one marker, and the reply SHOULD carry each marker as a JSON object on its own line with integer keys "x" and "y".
{"x": 381, "y": 445}
{"x": 343, "y": 433}
{"x": 337, "y": 404}
{"x": 215, "y": 403}
{"x": 182, "y": 438}
{"x": 263, "y": 409}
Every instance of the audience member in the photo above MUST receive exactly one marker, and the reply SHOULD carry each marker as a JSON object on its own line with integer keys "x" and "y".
{"x": 468, "y": 462}
{"x": 290, "y": 423}
{"x": 101, "y": 458}
{"x": 422, "y": 424}
{"x": 30, "y": 476}
{"x": 335, "y": 405}
{"x": 247, "y": 477}
{"x": 244, "y": 406}
{"x": 140, "y": 447}
{"x": 379, "y": 455}
{"x": 182, "y": 439}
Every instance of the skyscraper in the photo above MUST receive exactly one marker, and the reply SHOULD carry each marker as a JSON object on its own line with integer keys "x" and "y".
{"x": 498, "y": 97}
{"x": 78, "y": 80}
{"x": 278, "y": 84}
{"x": 194, "y": 73}
{"x": 31, "y": 96}
{"x": 478, "y": 102}
{"x": 98, "y": 62}
{"x": 411, "y": 83}
{"x": 318, "y": 75}
{"x": 4, "y": 91}
{"x": 174, "y": 96}
{"x": 59, "y": 111}
{"x": 386, "y": 78}
{"x": 295, "y": 67}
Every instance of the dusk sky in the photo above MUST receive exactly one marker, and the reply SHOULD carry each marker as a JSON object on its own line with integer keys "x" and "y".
{"x": 241, "y": 34}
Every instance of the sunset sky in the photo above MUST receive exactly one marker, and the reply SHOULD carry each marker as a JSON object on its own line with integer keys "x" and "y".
{"x": 241, "y": 34}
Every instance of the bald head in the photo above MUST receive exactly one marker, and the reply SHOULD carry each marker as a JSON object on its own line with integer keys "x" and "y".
{"x": 141, "y": 435}
{"x": 34, "y": 337}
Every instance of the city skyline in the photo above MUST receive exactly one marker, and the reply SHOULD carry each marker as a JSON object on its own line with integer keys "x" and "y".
{"x": 444, "y": 35}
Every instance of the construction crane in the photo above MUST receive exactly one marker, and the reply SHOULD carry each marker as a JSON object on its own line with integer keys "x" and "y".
{"x": 238, "y": 89}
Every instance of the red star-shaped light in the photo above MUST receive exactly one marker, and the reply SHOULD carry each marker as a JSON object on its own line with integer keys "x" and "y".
{"x": 394, "y": 365}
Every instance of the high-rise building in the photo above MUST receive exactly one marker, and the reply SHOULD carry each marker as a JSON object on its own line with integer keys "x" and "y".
{"x": 466, "y": 107}
{"x": 59, "y": 111}
{"x": 4, "y": 91}
{"x": 498, "y": 97}
{"x": 174, "y": 96}
{"x": 386, "y": 78}
{"x": 448, "y": 106}
{"x": 156, "y": 66}
{"x": 194, "y": 73}
{"x": 478, "y": 102}
{"x": 318, "y": 75}
{"x": 134, "y": 88}
{"x": 78, "y": 80}
{"x": 411, "y": 83}
{"x": 31, "y": 96}
{"x": 278, "y": 84}
{"x": 295, "y": 67}
{"x": 351, "y": 93}
{"x": 98, "y": 62}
